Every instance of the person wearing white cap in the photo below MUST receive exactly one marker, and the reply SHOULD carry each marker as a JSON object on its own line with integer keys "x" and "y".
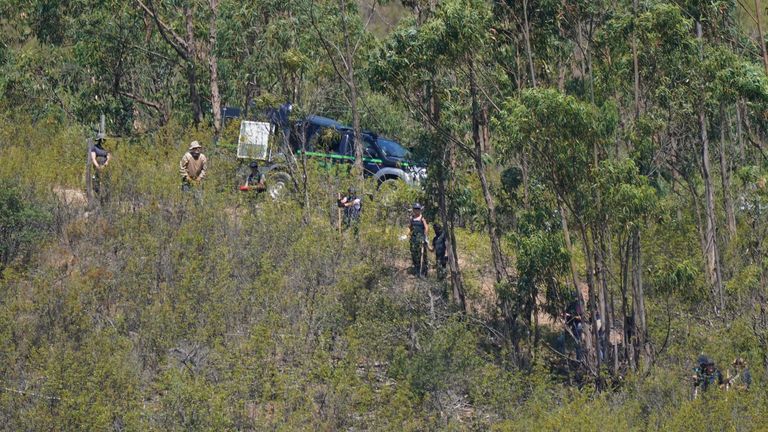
{"x": 193, "y": 167}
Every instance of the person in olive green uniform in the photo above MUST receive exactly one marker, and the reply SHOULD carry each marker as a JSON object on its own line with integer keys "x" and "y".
{"x": 419, "y": 230}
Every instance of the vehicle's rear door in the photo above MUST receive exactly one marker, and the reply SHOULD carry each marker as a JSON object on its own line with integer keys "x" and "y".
{"x": 372, "y": 161}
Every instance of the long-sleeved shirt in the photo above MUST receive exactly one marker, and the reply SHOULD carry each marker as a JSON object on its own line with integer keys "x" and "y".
{"x": 192, "y": 168}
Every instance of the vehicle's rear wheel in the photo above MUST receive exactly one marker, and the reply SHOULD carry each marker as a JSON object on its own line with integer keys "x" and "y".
{"x": 278, "y": 185}
{"x": 394, "y": 198}
{"x": 387, "y": 192}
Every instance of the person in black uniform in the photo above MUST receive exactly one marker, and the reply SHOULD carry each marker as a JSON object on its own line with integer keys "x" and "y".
{"x": 353, "y": 208}
{"x": 99, "y": 158}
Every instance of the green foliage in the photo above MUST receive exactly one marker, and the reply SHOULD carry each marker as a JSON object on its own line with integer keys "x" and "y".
{"x": 627, "y": 196}
{"x": 558, "y": 133}
{"x": 155, "y": 311}
{"x": 22, "y": 223}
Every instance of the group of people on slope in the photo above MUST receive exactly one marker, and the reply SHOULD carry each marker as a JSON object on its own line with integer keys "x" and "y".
{"x": 419, "y": 235}
{"x": 707, "y": 375}
{"x": 418, "y": 229}
{"x": 193, "y": 167}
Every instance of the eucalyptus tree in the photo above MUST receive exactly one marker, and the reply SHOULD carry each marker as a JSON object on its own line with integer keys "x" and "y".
{"x": 176, "y": 25}
{"x": 343, "y": 37}
{"x": 558, "y": 133}
{"x": 438, "y": 69}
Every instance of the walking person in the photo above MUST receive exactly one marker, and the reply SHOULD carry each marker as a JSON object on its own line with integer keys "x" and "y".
{"x": 99, "y": 158}
{"x": 419, "y": 231}
{"x": 192, "y": 168}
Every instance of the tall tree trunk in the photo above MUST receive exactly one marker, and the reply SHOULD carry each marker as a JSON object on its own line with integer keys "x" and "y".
{"x": 725, "y": 175}
{"x": 711, "y": 252}
{"x": 638, "y": 303}
{"x": 214, "y": 68}
{"x": 445, "y": 171}
{"x": 194, "y": 96}
{"x": 574, "y": 273}
{"x": 349, "y": 54}
{"x": 527, "y": 37}
{"x": 635, "y": 63}
{"x": 593, "y": 348}
{"x": 479, "y": 124}
{"x": 628, "y": 324}
{"x": 760, "y": 35}
{"x": 532, "y": 72}
{"x": 606, "y": 299}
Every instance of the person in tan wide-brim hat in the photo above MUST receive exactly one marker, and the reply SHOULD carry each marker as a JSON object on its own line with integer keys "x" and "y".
{"x": 193, "y": 167}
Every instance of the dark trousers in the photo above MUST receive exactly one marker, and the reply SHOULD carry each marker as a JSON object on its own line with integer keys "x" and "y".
{"x": 100, "y": 185}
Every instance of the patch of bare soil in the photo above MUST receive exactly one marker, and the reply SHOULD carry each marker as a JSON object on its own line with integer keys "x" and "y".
{"x": 70, "y": 197}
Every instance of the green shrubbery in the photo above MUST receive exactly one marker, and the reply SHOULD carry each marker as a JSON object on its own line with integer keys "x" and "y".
{"x": 154, "y": 312}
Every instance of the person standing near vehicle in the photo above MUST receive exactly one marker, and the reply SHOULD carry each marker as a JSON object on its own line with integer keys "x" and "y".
{"x": 419, "y": 230}
{"x": 255, "y": 179}
{"x": 193, "y": 167}
{"x": 353, "y": 208}
{"x": 99, "y": 158}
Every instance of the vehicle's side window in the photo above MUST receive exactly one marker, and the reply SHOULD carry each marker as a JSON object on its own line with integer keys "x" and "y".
{"x": 326, "y": 140}
{"x": 370, "y": 150}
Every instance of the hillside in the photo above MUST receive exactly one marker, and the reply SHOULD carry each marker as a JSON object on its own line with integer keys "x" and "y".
{"x": 599, "y": 170}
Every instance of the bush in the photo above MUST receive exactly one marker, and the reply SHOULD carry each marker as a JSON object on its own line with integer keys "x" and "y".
{"x": 22, "y": 223}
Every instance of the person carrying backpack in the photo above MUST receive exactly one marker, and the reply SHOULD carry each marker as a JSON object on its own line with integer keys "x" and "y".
{"x": 706, "y": 375}
{"x": 419, "y": 232}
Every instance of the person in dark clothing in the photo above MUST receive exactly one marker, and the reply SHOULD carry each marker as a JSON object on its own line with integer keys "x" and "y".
{"x": 706, "y": 375}
{"x": 419, "y": 232}
{"x": 99, "y": 158}
{"x": 353, "y": 208}
{"x": 439, "y": 246}
{"x": 573, "y": 314}
{"x": 255, "y": 180}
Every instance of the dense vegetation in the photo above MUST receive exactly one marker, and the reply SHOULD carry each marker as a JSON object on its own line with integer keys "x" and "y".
{"x": 616, "y": 149}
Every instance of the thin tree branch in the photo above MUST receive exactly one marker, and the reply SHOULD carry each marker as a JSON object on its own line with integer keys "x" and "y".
{"x": 142, "y": 101}
{"x": 327, "y": 45}
{"x": 178, "y": 43}
{"x": 747, "y": 11}
{"x": 27, "y": 393}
